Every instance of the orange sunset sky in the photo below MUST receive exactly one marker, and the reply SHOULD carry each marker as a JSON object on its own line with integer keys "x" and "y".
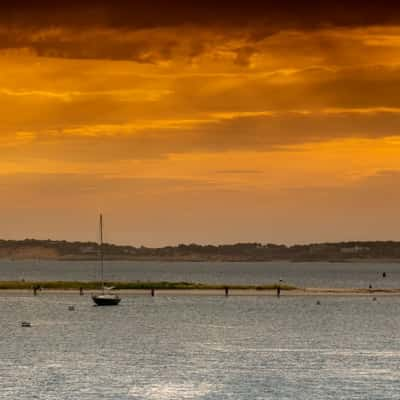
{"x": 200, "y": 122}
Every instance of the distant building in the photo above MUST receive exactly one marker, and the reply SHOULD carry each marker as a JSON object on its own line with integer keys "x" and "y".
{"x": 129, "y": 251}
{"x": 87, "y": 249}
{"x": 319, "y": 248}
{"x": 354, "y": 250}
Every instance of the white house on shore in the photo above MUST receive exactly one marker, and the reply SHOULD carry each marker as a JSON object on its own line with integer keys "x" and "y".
{"x": 354, "y": 250}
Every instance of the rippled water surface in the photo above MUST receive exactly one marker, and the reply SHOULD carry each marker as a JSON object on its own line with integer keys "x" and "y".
{"x": 200, "y": 347}
{"x": 317, "y": 274}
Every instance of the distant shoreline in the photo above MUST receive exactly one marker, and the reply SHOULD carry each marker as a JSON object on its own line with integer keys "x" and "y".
{"x": 60, "y": 250}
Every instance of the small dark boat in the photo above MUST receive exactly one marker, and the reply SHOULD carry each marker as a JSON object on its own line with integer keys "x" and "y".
{"x": 26, "y": 324}
{"x": 106, "y": 299}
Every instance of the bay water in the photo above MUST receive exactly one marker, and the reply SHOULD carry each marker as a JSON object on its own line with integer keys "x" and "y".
{"x": 201, "y": 347}
{"x": 315, "y": 274}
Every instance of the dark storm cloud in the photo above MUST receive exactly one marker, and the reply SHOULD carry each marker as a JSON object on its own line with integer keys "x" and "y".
{"x": 134, "y": 14}
{"x": 103, "y": 29}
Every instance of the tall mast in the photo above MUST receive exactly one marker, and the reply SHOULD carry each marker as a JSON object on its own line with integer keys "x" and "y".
{"x": 101, "y": 253}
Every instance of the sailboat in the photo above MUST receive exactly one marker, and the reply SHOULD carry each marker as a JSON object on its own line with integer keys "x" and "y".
{"x": 104, "y": 299}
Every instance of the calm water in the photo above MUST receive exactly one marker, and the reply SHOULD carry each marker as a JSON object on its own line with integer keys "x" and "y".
{"x": 188, "y": 347}
{"x": 321, "y": 274}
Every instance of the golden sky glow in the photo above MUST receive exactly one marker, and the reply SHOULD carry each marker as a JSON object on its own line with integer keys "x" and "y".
{"x": 200, "y": 132}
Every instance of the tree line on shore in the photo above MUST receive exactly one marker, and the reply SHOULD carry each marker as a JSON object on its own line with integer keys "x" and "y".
{"x": 338, "y": 251}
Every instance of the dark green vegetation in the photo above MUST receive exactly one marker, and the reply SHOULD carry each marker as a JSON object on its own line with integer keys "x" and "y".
{"x": 62, "y": 250}
{"x": 63, "y": 285}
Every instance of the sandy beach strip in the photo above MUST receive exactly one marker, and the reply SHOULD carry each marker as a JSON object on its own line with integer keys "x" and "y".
{"x": 218, "y": 292}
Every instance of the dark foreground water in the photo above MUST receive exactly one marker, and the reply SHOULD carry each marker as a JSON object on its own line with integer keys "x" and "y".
{"x": 317, "y": 274}
{"x": 204, "y": 347}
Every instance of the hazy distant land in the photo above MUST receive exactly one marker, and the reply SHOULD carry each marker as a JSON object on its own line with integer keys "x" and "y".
{"x": 336, "y": 252}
